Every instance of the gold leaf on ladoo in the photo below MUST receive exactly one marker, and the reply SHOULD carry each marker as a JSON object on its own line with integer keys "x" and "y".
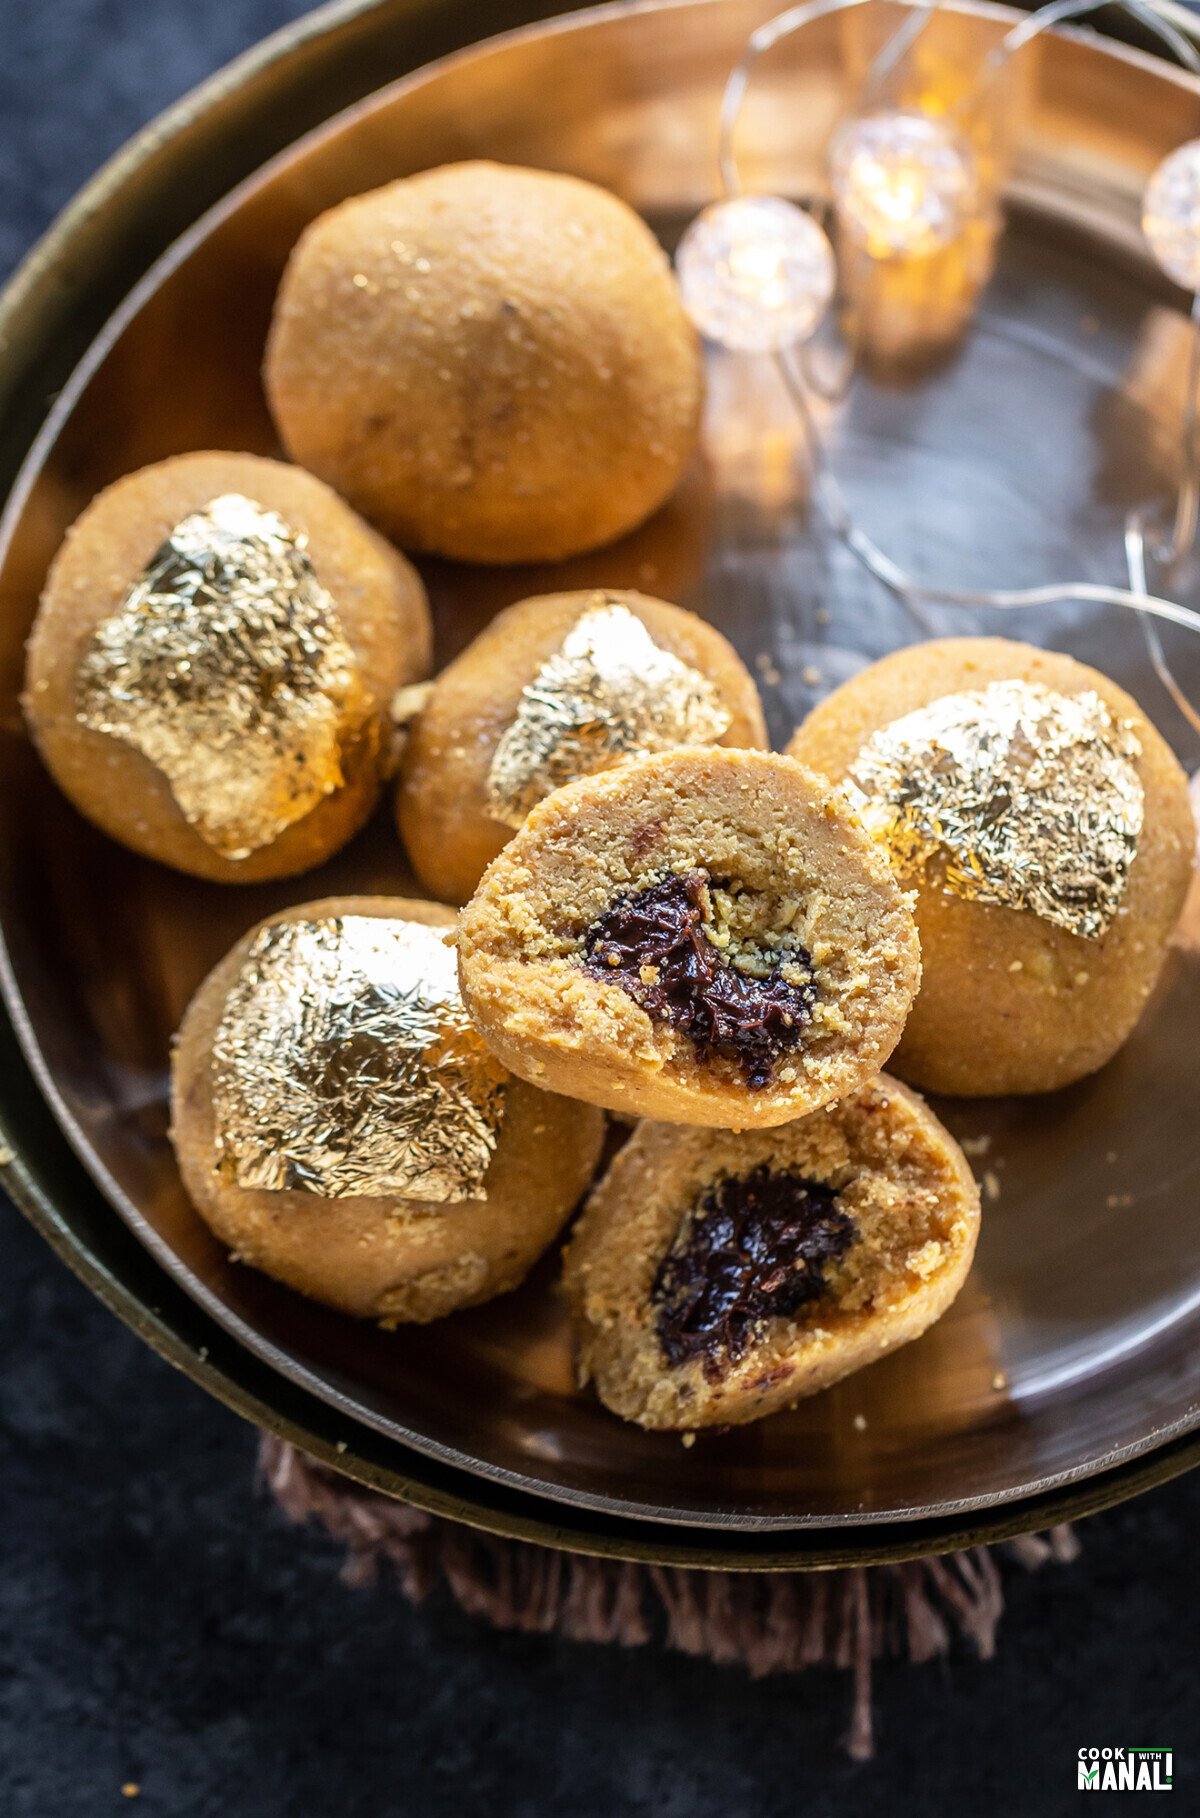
{"x": 608, "y": 694}
{"x": 1030, "y": 798}
{"x": 345, "y": 1064}
{"x": 226, "y": 665}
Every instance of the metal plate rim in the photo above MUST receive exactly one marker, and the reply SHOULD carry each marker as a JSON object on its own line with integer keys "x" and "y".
{"x": 1163, "y": 1446}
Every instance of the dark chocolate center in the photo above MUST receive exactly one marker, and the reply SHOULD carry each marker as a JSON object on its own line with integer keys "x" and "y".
{"x": 754, "y": 1249}
{"x": 724, "y": 1010}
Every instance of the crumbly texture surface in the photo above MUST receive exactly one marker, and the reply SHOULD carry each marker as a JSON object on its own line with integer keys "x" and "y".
{"x": 379, "y": 600}
{"x": 492, "y": 363}
{"x": 898, "y": 1179}
{"x": 789, "y": 868}
{"x": 1010, "y": 1003}
{"x": 441, "y": 802}
{"x": 387, "y": 1259}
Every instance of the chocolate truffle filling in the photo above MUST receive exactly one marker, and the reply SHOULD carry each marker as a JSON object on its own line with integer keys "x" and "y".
{"x": 654, "y": 944}
{"x": 754, "y": 1249}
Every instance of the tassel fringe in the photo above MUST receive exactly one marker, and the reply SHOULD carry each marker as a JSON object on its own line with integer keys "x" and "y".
{"x": 762, "y": 1622}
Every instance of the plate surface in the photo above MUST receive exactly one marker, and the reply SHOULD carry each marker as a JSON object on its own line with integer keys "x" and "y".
{"x": 1007, "y": 458}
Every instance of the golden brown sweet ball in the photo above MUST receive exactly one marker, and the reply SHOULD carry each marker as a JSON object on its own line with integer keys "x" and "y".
{"x": 211, "y": 670}
{"x": 339, "y": 1124}
{"x": 556, "y": 688}
{"x": 491, "y": 363}
{"x": 707, "y": 937}
{"x": 716, "y": 1278}
{"x": 1045, "y": 827}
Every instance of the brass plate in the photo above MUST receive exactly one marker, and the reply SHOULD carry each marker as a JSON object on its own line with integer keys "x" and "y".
{"x": 1069, "y": 1372}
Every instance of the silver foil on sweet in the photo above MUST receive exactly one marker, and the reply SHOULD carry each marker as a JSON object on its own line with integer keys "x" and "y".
{"x": 345, "y": 1065}
{"x": 609, "y": 693}
{"x": 227, "y": 666}
{"x": 1030, "y": 799}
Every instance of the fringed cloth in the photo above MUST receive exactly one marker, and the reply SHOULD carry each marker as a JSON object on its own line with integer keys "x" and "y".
{"x": 777, "y": 1622}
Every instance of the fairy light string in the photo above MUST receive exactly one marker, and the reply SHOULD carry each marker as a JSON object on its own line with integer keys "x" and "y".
{"x": 913, "y": 171}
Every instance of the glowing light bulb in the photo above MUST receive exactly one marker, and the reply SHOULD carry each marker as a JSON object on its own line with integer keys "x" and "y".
{"x": 1171, "y": 215}
{"x": 904, "y": 183}
{"x": 756, "y": 273}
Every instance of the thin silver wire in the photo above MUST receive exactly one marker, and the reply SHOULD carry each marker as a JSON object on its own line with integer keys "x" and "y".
{"x": 797, "y": 371}
{"x": 785, "y": 25}
{"x": 892, "y": 54}
{"x": 1183, "y": 530}
{"x": 830, "y": 381}
{"x": 1058, "y": 12}
{"x": 1141, "y": 540}
{"x": 828, "y": 492}
{"x": 1135, "y": 557}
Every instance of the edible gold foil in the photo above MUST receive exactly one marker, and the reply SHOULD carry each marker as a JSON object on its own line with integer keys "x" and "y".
{"x": 345, "y": 1064}
{"x": 227, "y": 667}
{"x": 1030, "y": 797}
{"x": 608, "y": 694}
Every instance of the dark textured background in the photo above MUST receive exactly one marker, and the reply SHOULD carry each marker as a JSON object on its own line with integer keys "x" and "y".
{"x": 160, "y": 1625}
